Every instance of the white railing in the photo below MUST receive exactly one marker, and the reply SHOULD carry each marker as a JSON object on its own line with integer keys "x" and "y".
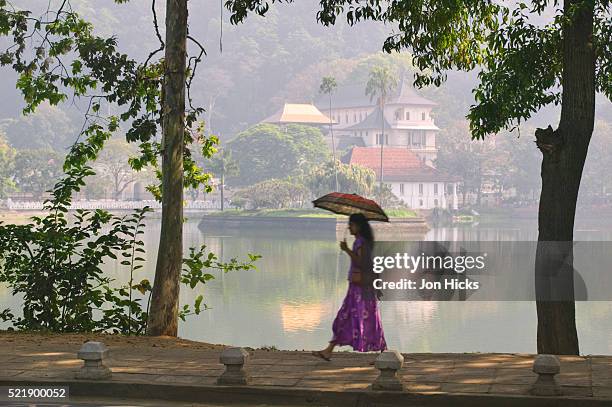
{"x": 110, "y": 205}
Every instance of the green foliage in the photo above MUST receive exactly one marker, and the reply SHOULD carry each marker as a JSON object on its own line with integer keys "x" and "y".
{"x": 7, "y": 163}
{"x": 270, "y": 151}
{"x": 381, "y": 83}
{"x": 463, "y": 157}
{"x": 112, "y": 166}
{"x": 520, "y": 61}
{"x": 351, "y": 179}
{"x": 49, "y": 128}
{"x": 328, "y": 85}
{"x": 36, "y": 171}
{"x": 222, "y": 164}
{"x": 521, "y": 164}
{"x": 56, "y": 264}
{"x": 195, "y": 272}
{"x": 61, "y": 57}
{"x": 395, "y": 64}
{"x": 400, "y": 213}
{"x": 386, "y": 198}
{"x": 272, "y": 194}
{"x": 507, "y": 163}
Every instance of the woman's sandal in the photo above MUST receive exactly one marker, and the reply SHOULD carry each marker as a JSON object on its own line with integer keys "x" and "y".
{"x": 320, "y": 354}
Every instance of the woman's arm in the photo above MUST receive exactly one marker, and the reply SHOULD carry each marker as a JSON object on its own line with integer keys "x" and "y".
{"x": 355, "y": 256}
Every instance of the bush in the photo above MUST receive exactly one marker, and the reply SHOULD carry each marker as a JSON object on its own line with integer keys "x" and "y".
{"x": 272, "y": 194}
{"x": 268, "y": 151}
{"x": 55, "y": 264}
{"x": 353, "y": 179}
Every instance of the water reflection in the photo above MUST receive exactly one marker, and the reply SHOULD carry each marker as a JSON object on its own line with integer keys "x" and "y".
{"x": 291, "y": 300}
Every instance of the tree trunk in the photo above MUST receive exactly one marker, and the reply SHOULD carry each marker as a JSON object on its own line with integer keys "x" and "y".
{"x": 116, "y": 192}
{"x": 163, "y": 317}
{"x": 564, "y": 153}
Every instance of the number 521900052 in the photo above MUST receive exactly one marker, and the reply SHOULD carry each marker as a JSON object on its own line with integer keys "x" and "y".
{"x": 34, "y": 393}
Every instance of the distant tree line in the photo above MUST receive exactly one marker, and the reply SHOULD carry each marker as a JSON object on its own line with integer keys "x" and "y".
{"x": 508, "y": 165}
{"x": 32, "y": 172}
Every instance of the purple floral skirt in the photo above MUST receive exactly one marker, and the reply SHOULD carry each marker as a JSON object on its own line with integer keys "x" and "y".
{"x": 358, "y": 323}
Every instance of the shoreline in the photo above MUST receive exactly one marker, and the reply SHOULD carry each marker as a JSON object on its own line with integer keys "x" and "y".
{"x": 397, "y": 228}
{"x": 39, "y": 338}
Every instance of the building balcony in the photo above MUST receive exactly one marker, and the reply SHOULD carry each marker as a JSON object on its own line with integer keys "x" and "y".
{"x": 413, "y": 124}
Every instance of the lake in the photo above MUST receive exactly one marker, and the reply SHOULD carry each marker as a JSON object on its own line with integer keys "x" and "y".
{"x": 291, "y": 300}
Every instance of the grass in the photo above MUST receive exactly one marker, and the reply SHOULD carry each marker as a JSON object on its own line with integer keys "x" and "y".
{"x": 304, "y": 213}
{"x": 401, "y": 213}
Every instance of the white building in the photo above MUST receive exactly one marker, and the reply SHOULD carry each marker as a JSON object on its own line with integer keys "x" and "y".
{"x": 417, "y": 184}
{"x": 409, "y": 143}
{"x": 408, "y": 120}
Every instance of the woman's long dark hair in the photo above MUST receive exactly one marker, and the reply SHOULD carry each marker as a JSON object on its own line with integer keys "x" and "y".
{"x": 365, "y": 230}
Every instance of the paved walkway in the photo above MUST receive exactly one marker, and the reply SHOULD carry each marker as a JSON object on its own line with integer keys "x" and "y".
{"x": 135, "y": 362}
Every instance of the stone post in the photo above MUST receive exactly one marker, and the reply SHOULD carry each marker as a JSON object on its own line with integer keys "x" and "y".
{"x": 388, "y": 362}
{"x": 546, "y": 366}
{"x": 234, "y": 360}
{"x": 93, "y": 354}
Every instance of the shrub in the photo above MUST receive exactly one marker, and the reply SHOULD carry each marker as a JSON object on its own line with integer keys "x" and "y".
{"x": 273, "y": 194}
{"x": 55, "y": 263}
{"x": 351, "y": 179}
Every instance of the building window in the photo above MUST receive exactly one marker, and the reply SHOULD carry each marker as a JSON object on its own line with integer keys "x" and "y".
{"x": 436, "y": 203}
{"x": 416, "y": 139}
{"x": 379, "y": 139}
{"x": 420, "y": 202}
{"x": 346, "y": 118}
{"x": 355, "y": 117}
{"x": 407, "y": 115}
{"x": 420, "y": 189}
{"x": 402, "y": 189}
{"x": 435, "y": 189}
{"x": 423, "y": 139}
{"x": 423, "y": 116}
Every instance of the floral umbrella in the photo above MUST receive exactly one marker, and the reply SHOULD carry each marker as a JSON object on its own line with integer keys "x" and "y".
{"x": 348, "y": 204}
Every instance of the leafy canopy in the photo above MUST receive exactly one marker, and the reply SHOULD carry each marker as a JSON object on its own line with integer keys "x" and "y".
{"x": 328, "y": 85}
{"x": 271, "y": 151}
{"x": 382, "y": 81}
{"x": 58, "y": 56}
{"x": 520, "y": 61}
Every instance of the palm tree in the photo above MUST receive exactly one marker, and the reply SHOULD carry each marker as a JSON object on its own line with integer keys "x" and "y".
{"x": 381, "y": 83}
{"x": 327, "y": 87}
{"x": 222, "y": 164}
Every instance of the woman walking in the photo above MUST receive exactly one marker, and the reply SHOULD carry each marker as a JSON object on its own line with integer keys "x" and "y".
{"x": 358, "y": 321}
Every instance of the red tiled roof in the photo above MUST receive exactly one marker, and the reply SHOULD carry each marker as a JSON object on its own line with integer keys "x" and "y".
{"x": 394, "y": 159}
{"x": 399, "y": 164}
